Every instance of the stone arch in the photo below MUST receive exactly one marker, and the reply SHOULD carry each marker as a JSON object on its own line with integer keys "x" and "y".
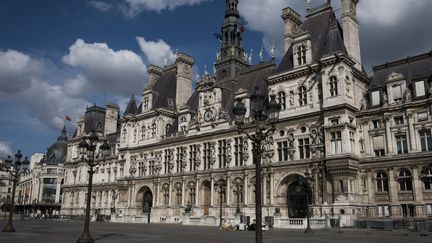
{"x": 205, "y": 196}
{"x": 143, "y": 196}
{"x": 288, "y": 196}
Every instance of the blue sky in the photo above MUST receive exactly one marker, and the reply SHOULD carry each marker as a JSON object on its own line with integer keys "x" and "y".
{"x": 58, "y": 56}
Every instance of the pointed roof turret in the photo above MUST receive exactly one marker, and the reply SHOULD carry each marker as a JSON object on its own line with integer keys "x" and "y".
{"x": 131, "y": 108}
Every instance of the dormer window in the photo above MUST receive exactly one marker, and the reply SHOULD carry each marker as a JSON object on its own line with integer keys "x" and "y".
{"x": 282, "y": 100}
{"x": 146, "y": 104}
{"x": 397, "y": 92}
{"x": 302, "y": 95}
{"x": 333, "y": 86}
{"x": 419, "y": 88}
{"x": 301, "y": 55}
{"x": 375, "y": 98}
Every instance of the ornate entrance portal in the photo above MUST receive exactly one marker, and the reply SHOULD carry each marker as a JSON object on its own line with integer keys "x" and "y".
{"x": 297, "y": 200}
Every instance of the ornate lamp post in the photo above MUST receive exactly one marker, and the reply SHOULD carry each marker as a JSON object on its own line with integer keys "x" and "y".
{"x": 265, "y": 113}
{"x": 15, "y": 169}
{"x": 88, "y": 149}
{"x": 304, "y": 186}
{"x": 221, "y": 185}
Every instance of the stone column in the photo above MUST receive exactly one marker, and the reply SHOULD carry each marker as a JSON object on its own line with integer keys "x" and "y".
{"x": 228, "y": 190}
{"x": 271, "y": 174}
{"x": 411, "y": 134}
{"x": 417, "y": 186}
{"x": 245, "y": 189}
{"x": 57, "y": 195}
{"x": 197, "y": 192}
{"x": 170, "y": 192}
{"x": 157, "y": 193}
{"x": 393, "y": 190}
{"x": 316, "y": 185}
{"x": 211, "y": 191}
{"x": 183, "y": 192}
{"x": 388, "y": 136}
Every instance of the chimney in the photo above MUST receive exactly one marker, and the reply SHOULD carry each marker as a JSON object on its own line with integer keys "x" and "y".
{"x": 292, "y": 25}
{"x": 111, "y": 118}
{"x": 154, "y": 73}
{"x": 350, "y": 26}
{"x": 184, "y": 78}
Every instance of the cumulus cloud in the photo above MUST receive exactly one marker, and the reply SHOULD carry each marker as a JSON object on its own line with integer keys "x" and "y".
{"x": 47, "y": 102}
{"x": 100, "y": 5}
{"x": 5, "y": 150}
{"x": 104, "y": 69}
{"x": 131, "y": 8}
{"x": 157, "y": 52}
{"x": 16, "y": 70}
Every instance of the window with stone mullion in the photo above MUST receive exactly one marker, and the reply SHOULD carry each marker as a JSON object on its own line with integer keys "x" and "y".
{"x": 206, "y": 155}
{"x": 283, "y": 151}
{"x": 238, "y": 151}
{"x": 401, "y": 144}
{"x": 222, "y": 157}
{"x": 382, "y": 182}
{"x": 304, "y": 148}
{"x": 425, "y": 140}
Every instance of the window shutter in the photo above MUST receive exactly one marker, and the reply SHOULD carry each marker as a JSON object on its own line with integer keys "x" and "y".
{"x": 397, "y": 92}
{"x": 378, "y": 142}
{"x": 375, "y": 98}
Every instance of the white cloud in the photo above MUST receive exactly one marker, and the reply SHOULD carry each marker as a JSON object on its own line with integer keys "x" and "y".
{"x": 5, "y": 150}
{"x": 104, "y": 69}
{"x": 101, "y": 6}
{"x": 16, "y": 70}
{"x": 157, "y": 52}
{"x": 135, "y": 7}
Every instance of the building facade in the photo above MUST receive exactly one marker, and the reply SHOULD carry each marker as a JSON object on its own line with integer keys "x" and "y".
{"x": 39, "y": 189}
{"x": 363, "y": 140}
{"x": 5, "y": 188}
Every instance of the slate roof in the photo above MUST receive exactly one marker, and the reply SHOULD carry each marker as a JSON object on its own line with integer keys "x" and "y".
{"x": 131, "y": 108}
{"x": 56, "y": 153}
{"x": 165, "y": 89}
{"x": 94, "y": 118}
{"x": 419, "y": 66}
{"x": 326, "y": 37}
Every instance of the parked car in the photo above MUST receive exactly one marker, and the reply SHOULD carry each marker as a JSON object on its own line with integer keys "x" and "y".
{"x": 252, "y": 227}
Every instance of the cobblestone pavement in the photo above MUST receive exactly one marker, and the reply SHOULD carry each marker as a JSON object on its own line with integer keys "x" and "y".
{"x": 63, "y": 232}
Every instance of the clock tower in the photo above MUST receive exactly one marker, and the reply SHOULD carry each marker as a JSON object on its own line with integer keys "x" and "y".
{"x": 231, "y": 58}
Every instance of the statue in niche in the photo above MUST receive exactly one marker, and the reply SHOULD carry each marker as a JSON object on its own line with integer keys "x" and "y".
{"x": 291, "y": 99}
{"x": 408, "y": 95}
{"x": 385, "y": 99}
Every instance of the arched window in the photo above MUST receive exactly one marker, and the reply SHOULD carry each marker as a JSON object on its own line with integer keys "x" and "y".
{"x": 302, "y": 95}
{"x": 282, "y": 100}
{"x": 381, "y": 182}
{"x": 427, "y": 180}
{"x": 165, "y": 189}
{"x": 301, "y": 55}
{"x": 333, "y": 86}
{"x": 405, "y": 182}
{"x": 167, "y": 128}
{"x": 146, "y": 104}
{"x": 143, "y": 132}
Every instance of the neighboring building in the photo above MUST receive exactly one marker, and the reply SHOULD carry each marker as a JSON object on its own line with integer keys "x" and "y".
{"x": 5, "y": 186}
{"x": 40, "y": 188}
{"x": 364, "y": 140}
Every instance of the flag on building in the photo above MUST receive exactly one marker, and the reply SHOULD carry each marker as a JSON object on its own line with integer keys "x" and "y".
{"x": 240, "y": 28}
{"x": 68, "y": 118}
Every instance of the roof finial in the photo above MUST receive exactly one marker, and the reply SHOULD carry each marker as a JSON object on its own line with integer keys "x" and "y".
{"x": 214, "y": 68}
{"x": 261, "y": 55}
{"x": 205, "y": 70}
{"x": 273, "y": 50}
{"x": 308, "y": 5}
{"x": 197, "y": 77}
{"x": 175, "y": 55}
{"x": 250, "y": 57}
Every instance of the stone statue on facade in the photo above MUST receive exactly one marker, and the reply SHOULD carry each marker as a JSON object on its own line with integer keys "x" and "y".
{"x": 385, "y": 99}
{"x": 408, "y": 95}
{"x": 146, "y": 208}
{"x": 188, "y": 208}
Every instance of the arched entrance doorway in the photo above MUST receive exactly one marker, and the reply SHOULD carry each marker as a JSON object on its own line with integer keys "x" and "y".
{"x": 298, "y": 199}
{"x": 206, "y": 187}
{"x": 147, "y": 201}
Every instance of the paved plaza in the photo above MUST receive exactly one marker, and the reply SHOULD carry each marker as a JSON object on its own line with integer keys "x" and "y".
{"x": 59, "y": 232}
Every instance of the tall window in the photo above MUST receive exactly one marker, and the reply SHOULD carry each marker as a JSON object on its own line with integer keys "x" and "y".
{"x": 179, "y": 159}
{"x": 378, "y": 145}
{"x": 165, "y": 189}
{"x": 206, "y": 155}
{"x": 167, "y": 158}
{"x": 146, "y": 103}
{"x": 302, "y": 95}
{"x": 282, "y": 100}
{"x": 192, "y": 157}
{"x": 333, "y": 86}
{"x": 301, "y": 55}
{"x": 141, "y": 169}
{"x": 153, "y": 130}
{"x": 178, "y": 188}
{"x": 405, "y": 182}
{"x": 336, "y": 142}
{"x": 304, "y": 148}
{"x": 375, "y": 98}
{"x": 399, "y": 120}
{"x": 425, "y": 140}
{"x": 402, "y": 145}
{"x": 382, "y": 182}
{"x": 192, "y": 192}
{"x": 428, "y": 180}
{"x": 282, "y": 150}
{"x": 397, "y": 92}
{"x": 143, "y": 132}
{"x": 377, "y": 124}
{"x": 222, "y": 156}
{"x": 407, "y": 210}
{"x": 151, "y": 167}
{"x": 238, "y": 151}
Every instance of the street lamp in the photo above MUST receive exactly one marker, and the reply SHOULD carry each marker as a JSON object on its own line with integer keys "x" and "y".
{"x": 88, "y": 149}
{"x": 221, "y": 185}
{"x": 265, "y": 113}
{"x": 15, "y": 169}
{"x": 304, "y": 186}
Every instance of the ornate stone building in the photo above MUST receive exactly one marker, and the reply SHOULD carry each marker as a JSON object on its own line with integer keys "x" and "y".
{"x": 355, "y": 135}
{"x": 39, "y": 190}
